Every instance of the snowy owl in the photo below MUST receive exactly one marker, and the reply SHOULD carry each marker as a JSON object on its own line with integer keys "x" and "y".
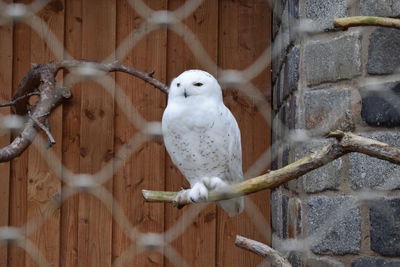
{"x": 202, "y": 137}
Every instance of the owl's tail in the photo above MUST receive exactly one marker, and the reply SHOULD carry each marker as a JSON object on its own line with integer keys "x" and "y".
{"x": 232, "y": 206}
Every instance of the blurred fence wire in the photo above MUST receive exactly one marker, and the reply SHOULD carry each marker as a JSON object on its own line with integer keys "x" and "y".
{"x": 93, "y": 184}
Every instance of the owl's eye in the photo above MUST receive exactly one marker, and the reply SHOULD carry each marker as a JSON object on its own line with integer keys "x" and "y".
{"x": 198, "y": 84}
{"x": 178, "y": 84}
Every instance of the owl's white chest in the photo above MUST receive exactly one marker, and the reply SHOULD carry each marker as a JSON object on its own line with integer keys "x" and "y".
{"x": 196, "y": 138}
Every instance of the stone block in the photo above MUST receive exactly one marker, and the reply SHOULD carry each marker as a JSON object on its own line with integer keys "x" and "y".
{"x": 288, "y": 114}
{"x": 277, "y": 56}
{"x": 292, "y": 121}
{"x": 380, "y": 8}
{"x": 285, "y": 155}
{"x": 279, "y": 212}
{"x": 285, "y": 28}
{"x": 282, "y": 79}
{"x": 385, "y": 226}
{"x": 274, "y": 159}
{"x": 293, "y": 12}
{"x": 323, "y": 262}
{"x": 332, "y": 60}
{"x": 292, "y": 71}
{"x": 276, "y": 127}
{"x": 366, "y": 172}
{"x": 285, "y": 114}
{"x": 294, "y": 185}
{"x": 276, "y": 95}
{"x": 322, "y": 12}
{"x": 381, "y": 104}
{"x": 334, "y": 225}
{"x": 384, "y": 51}
{"x": 327, "y": 177}
{"x": 295, "y": 225}
{"x": 375, "y": 262}
{"x": 296, "y": 258}
{"x": 282, "y": 127}
{"x": 327, "y": 110}
{"x": 277, "y": 7}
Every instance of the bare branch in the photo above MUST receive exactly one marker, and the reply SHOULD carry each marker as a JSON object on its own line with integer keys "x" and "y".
{"x": 355, "y": 143}
{"x": 113, "y": 67}
{"x": 346, "y": 143}
{"x": 366, "y": 21}
{"x": 270, "y": 254}
{"x": 45, "y": 129}
{"x": 16, "y": 100}
{"x": 43, "y": 77}
{"x": 28, "y": 84}
{"x": 41, "y": 80}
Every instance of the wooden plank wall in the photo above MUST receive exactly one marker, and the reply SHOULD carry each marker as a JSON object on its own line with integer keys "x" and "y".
{"x": 92, "y": 127}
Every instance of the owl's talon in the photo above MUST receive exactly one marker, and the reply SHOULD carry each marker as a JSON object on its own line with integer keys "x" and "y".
{"x": 198, "y": 193}
{"x": 181, "y": 197}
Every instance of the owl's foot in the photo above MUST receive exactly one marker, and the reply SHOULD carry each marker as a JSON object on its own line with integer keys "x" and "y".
{"x": 198, "y": 193}
{"x": 214, "y": 183}
{"x": 180, "y": 198}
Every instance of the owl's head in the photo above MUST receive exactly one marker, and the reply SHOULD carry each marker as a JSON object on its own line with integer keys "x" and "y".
{"x": 194, "y": 84}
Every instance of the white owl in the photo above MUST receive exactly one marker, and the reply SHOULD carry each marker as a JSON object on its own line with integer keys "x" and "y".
{"x": 202, "y": 137}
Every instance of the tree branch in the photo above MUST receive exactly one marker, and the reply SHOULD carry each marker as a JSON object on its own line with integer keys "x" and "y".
{"x": 366, "y": 21}
{"x": 16, "y": 100}
{"x": 346, "y": 143}
{"x": 41, "y": 80}
{"x": 270, "y": 254}
{"x": 112, "y": 67}
{"x": 45, "y": 129}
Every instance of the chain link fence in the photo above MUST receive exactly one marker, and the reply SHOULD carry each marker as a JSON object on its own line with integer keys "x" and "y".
{"x": 93, "y": 184}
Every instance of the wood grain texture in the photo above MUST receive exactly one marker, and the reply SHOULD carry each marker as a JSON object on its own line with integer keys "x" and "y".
{"x": 146, "y": 166}
{"x": 71, "y": 138}
{"x": 19, "y": 166}
{"x": 91, "y": 128}
{"x": 97, "y": 134}
{"x": 197, "y": 243}
{"x": 44, "y": 184}
{"x": 6, "y": 58}
{"x": 243, "y": 36}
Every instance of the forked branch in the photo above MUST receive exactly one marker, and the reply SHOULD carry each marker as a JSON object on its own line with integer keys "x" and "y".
{"x": 345, "y": 143}
{"x": 40, "y": 80}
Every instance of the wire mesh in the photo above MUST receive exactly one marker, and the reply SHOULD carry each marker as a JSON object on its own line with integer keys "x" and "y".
{"x": 93, "y": 184}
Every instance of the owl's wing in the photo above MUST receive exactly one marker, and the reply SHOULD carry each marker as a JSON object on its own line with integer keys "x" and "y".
{"x": 234, "y": 149}
{"x": 234, "y": 163}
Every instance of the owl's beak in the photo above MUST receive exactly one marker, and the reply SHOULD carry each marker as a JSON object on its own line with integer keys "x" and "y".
{"x": 185, "y": 94}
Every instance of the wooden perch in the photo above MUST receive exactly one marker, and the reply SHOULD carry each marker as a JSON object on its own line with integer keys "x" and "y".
{"x": 270, "y": 254}
{"x": 40, "y": 80}
{"x": 346, "y": 143}
{"x": 366, "y": 21}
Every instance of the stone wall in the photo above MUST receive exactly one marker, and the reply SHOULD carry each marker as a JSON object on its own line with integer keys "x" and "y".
{"x": 346, "y": 213}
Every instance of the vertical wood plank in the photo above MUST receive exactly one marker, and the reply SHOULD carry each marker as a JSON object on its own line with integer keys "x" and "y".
{"x": 97, "y": 129}
{"x": 145, "y": 169}
{"x": 19, "y": 166}
{"x": 244, "y": 34}
{"x": 6, "y": 58}
{"x": 197, "y": 245}
{"x": 71, "y": 137}
{"x": 43, "y": 184}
